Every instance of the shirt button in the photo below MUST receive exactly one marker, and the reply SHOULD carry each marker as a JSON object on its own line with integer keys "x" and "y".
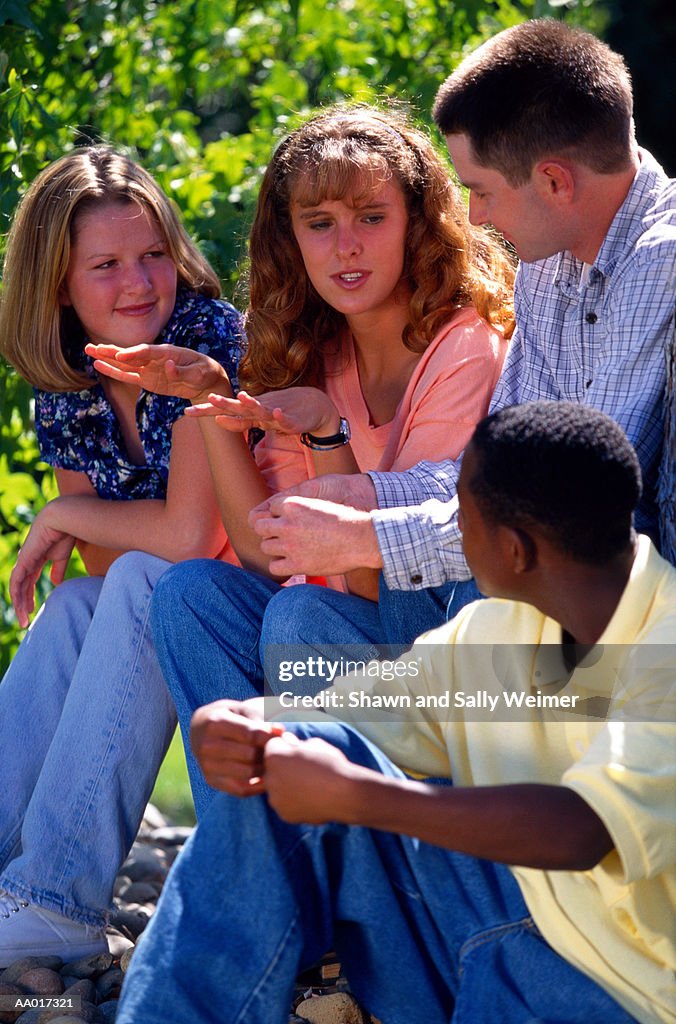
{"x": 416, "y": 577}
{"x": 591, "y": 318}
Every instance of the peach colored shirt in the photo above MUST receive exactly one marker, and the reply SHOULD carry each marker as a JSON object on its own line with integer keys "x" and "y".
{"x": 448, "y": 393}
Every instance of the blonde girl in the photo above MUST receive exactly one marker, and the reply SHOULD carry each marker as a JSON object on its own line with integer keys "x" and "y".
{"x": 96, "y": 254}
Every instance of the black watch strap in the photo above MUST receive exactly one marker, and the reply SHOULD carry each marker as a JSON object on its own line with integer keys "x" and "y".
{"x": 325, "y": 444}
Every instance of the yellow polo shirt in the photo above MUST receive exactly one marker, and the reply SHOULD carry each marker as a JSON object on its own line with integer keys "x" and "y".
{"x": 615, "y": 922}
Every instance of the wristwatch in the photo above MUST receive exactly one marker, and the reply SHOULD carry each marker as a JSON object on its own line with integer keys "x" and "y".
{"x": 327, "y": 444}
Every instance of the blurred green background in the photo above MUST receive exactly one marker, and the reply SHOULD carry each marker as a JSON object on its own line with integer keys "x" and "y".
{"x": 200, "y": 93}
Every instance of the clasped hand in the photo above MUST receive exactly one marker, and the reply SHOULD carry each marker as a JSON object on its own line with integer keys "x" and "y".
{"x": 243, "y": 755}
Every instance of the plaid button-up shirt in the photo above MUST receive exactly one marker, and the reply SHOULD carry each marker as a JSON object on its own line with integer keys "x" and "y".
{"x": 596, "y": 335}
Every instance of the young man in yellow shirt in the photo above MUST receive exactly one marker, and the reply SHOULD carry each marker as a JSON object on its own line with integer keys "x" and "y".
{"x": 540, "y": 885}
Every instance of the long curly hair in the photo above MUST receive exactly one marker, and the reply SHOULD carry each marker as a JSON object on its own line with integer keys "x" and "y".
{"x": 351, "y": 151}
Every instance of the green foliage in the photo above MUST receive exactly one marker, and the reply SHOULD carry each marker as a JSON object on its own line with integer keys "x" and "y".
{"x": 200, "y": 93}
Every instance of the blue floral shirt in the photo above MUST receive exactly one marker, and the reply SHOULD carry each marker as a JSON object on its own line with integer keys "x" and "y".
{"x": 79, "y": 430}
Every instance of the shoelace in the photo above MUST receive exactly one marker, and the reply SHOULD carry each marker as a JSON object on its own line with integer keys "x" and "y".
{"x": 10, "y": 904}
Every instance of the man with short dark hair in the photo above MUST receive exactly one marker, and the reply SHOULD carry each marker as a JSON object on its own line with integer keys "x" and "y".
{"x": 409, "y": 879}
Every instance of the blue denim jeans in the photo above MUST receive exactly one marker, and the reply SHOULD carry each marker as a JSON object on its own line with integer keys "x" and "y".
{"x": 212, "y": 623}
{"x": 85, "y": 720}
{"x": 424, "y": 934}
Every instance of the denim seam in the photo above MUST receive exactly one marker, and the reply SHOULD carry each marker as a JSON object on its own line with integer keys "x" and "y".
{"x": 7, "y": 850}
{"x": 143, "y": 624}
{"x": 256, "y": 991}
{"x": 490, "y": 934}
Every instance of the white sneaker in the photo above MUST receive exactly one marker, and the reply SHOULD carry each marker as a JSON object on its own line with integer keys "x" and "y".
{"x": 29, "y": 930}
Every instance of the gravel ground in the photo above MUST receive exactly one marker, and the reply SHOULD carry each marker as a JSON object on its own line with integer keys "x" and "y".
{"x": 321, "y": 995}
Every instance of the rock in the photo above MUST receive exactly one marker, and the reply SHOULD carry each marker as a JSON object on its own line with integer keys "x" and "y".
{"x": 87, "y": 1012}
{"x": 172, "y": 835}
{"x": 88, "y": 966}
{"x": 27, "y": 963}
{"x": 131, "y": 921}
{"x": 9, "y": 1016}
{"x": 140, "y": 892}
{"x": 121, "y": 883}
{"x": 117, "y": 942}
{"x": 83, "y": 987}
{"x": 29, "y": 1017}
{"x": 108, "y": 985}
{"x": 338, "y": 1008}
{"x": 153, "y": 818}
{"x": 146, "y": 864}
{"x": 40, "y": 981}
{"x": 125, "y": 960}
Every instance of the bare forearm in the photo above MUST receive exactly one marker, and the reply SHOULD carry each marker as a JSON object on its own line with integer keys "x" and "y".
{"x": 144, "y": 525}
{"x": 529, "y": 825}
{"x": 239, "y": 487}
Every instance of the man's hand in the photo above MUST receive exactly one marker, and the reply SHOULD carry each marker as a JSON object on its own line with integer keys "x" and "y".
{"x": 309, "y": 780}
{"x": 228, "y": 738}
{"x": 355, "y": 490}
{"x": 318, "y": 538}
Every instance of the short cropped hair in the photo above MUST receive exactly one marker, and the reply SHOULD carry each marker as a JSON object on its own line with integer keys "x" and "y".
{"x": 565, "y": 469}
{"x": 541, "y": 89}
{"x": 38, "y": 335}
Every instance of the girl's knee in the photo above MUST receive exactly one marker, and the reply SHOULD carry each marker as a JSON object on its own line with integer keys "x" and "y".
{"x": 134, "y": 568}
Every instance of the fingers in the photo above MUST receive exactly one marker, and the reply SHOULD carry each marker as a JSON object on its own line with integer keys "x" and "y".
{"x": 228, "y": 740}
{"x": 137, "y": 355}
{"x": 116, "y": 373}
{"x": 21, "y": 592}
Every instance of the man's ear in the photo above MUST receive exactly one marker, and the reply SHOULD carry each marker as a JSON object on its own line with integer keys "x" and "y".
{"x": 555, "y": 180}
{"x": 521, "y": 549}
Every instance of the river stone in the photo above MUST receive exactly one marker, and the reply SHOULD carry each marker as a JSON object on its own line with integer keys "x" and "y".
{"x": 87, "y": 1012}
{"x": 9, "y": 1016}
{"x": 172, "y": 835}
{"x": 132, "y": 921}
{"x": 140, "y": 892}
{"x": 121, "y": 883}
{"x": 108, "y": 985}
{"x": 27, "y": 963}
{"x": 88, "y": 966}
{"x": 83, "y": 987}
{"x": 146, "y": 864}
{"x": 40, "y": 981}
{"x": 117, "y": 941}
{"x": 125, "y": 960}
{"x": 152, "y": 819}
{"x": 338, "y": 1008}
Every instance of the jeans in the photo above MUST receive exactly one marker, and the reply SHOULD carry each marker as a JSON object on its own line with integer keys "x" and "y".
{"x": 85, "y": 721}
{"x": 424, "y": 934}
{"x": 213, "y": 622}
